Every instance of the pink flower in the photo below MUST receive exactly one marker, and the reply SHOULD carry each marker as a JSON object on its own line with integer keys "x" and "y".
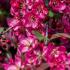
{"x": 67, "y": 2}
{"x": 57, "y": 5}
{"x": 19, "y": 31}
{"x": 13, "y": 64}
{"x": 26, "y": 44}
{"x": 15, "y": 7}
{"x": 13, "y": 22}
{"x": 32, "y": 59}
{"x": 40, "y": 9}
{"x": 65, "y": 20}
{"x": 55, "y": 55}
{"x": 67, "y": 10}
{"x": 35, "y": 56}
{"x": 30, "y": 3}
{"x": 31, "y": 20}
{"x": 12, "y": 67}
{"x": 59, "y": 67}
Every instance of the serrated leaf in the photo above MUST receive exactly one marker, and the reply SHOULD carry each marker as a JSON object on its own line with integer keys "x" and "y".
{"x": 1, "y": 29}
{"x": 51, "y": 14}
{"x": 39, "y": 35}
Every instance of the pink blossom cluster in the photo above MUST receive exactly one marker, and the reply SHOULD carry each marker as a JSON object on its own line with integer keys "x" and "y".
{"x": 61, "y": 21}
{"x": 28, "y": 17}
{"x": 61, "y": 6}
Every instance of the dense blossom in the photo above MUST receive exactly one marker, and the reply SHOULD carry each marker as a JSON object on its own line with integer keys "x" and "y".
{"x": 56, "y": 56}
{"x": 57, "y": 5}
{"x": 40, "y": 9}
{"x": 31, "y": 20}
{"x": 13, "y": 64}
{"x": 15, "y": 7}
{"x": 30, "y": 23}
{"x": 28, "y": 15}
{"x": 27, "y": 44}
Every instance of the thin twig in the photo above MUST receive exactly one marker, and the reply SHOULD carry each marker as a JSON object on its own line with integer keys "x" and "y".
{"x": 7, "y": 30}
{"x": 57, "y": 35}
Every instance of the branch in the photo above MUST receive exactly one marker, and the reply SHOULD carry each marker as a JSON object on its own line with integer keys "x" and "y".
{"x": 57, "y": 35}
{"x": 7, "y": 30}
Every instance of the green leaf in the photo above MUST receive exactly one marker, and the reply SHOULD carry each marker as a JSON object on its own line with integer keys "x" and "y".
{"x": 1, "y": 29}
{"x": 51, "y": 14}
{"x": 39, "y": 35}
{"x": 1, "y": 12}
